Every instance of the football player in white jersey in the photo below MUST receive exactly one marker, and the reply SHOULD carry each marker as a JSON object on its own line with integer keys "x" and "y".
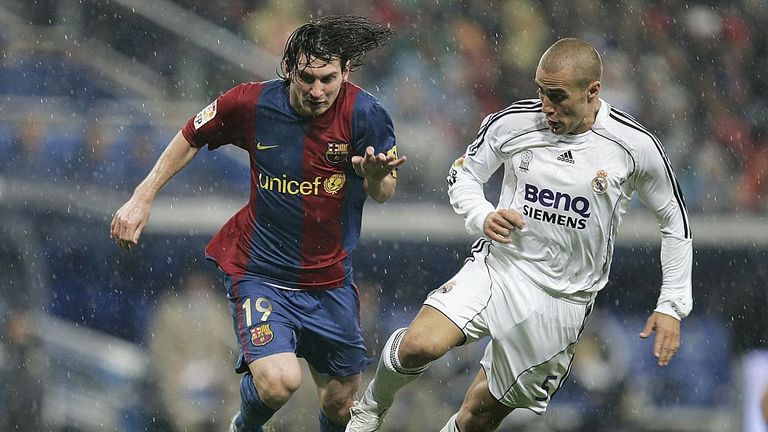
{"x": 571, "y": 163}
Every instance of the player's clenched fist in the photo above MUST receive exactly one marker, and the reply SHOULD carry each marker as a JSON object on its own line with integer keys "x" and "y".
{"x": 128, "y": 223}
{"x": 499, "y": 224}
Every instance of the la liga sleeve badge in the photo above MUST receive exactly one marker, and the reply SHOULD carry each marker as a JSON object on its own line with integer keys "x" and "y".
{"x": 205, "y": 115}
{"x": 393, "y": 152}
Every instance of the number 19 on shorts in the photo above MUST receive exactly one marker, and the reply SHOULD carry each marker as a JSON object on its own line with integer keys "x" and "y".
{"x": 261, "y": 305}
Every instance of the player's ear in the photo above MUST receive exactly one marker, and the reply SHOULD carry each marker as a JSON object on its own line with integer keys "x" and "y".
{"x": 345, "y": 71}
{"x": 285, "y": 68}
{"x": 593, "y": 91}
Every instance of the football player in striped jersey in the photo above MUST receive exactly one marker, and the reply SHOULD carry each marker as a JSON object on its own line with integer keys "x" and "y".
{"x": 318, "y": 146}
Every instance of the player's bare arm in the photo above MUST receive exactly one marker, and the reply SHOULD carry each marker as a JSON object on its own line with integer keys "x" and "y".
{"x": 500, "y": 224}
{"x": 132, "y": 217}
{"x": 667, "y": 341}
{"x": 377, "y": 170}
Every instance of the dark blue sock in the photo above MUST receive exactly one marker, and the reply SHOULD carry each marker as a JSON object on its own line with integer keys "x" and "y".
{"x": 253, "y": 412}
{"x": 327, "y": 426}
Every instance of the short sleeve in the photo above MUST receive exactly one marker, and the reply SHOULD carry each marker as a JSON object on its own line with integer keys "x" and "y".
{"x": 376, "y": 129}
{"x": 218, "y": 123}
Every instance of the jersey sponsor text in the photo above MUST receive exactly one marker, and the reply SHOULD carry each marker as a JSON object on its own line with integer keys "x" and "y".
{"x": 558, "y": 201}
{"x": 290, "y": 187}
{"x": 554, "y": 218}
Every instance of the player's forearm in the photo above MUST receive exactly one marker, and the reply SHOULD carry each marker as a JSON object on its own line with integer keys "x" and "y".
{"x": 468, "y": 200}
{"x": 676, "y": 264}
{"x": 675, "y": 298}
{"x": 381, "y": 190}
{"x": 175, "y": 157}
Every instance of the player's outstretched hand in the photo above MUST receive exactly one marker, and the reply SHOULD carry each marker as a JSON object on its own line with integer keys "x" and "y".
{"x": 500, "y": 224}
{"x": 128, "y": 223}
{"x": 667, "y": 341}
{"x": 375, "y": 166}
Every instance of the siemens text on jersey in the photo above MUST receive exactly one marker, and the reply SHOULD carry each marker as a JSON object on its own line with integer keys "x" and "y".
{"x": 558, "y": 201}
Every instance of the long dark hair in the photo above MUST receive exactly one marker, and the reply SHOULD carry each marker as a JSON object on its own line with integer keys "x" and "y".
{"x": 344, "y": 37}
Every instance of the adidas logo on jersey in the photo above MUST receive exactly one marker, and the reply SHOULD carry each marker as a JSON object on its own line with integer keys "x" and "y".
{"x": 566, "y": 157}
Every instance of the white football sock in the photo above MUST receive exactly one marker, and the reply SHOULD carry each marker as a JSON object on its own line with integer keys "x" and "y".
{"x": 390, "y": 375}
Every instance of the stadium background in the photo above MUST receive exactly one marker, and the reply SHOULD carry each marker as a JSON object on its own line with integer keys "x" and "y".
{"x": 91, "y": 91}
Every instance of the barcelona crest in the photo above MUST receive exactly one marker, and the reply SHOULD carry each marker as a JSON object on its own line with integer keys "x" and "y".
{"x": 337, "y": 152}
{"x": 261, "y": 335}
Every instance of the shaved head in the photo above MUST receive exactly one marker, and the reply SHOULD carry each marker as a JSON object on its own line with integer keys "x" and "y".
{"x": 568, "y": 79}
{"x": 575, "y": 55}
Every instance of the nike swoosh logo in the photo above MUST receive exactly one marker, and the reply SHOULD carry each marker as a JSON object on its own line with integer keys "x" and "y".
{"x": 259, "y": 146}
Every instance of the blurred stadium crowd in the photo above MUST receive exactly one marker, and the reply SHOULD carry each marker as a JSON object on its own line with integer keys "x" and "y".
{"x": 692, "y": 72}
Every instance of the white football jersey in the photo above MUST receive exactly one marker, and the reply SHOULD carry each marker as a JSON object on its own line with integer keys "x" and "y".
{"x": 572, "y": 191}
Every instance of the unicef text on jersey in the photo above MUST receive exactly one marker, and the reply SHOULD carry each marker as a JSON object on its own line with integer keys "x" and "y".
{"x": 331, "y": 185}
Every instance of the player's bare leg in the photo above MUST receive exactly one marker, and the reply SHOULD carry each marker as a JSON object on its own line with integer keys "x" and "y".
{"x": 336, "y": 395}
{"x": 480, "y": 411}
{"x": 276, "y": 377}
{"x": 269, "y": 384}
{"x": 405, "y": 356}
{"x": 429, "y": 337}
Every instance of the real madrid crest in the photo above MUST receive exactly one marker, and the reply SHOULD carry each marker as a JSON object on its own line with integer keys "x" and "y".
{"x": 334, "y": 183}
{"x": 447, "y": 286}
{"x": 600, "y": 182}
{"x": 525, "y": 159}
{"x": 337, "y": 152}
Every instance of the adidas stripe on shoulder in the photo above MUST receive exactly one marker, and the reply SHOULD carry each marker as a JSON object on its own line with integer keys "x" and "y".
{"x": 520, "y": 107}
{"x": 637, "y": 129}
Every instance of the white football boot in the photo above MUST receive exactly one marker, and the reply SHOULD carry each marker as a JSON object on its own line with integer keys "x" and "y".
{"x": 365, "y": 416}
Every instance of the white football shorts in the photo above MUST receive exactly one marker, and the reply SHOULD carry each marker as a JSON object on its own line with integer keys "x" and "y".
{"x": 533, "y": 334}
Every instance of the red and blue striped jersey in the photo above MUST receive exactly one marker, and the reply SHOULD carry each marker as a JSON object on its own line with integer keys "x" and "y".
{"x": 304, "y": 213}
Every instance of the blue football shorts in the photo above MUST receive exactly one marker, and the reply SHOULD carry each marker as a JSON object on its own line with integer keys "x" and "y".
{"x": 321, "y": 326}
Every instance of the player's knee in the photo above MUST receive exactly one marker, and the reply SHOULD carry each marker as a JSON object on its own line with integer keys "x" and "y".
{"x": 337, "y": 409}
{"x": 477, "y": 416}
{"x": 336, "y": 400}
{"x": 276, "y": 388}
{"x": 417, "y": 350}
{"x": 477, "y": 421}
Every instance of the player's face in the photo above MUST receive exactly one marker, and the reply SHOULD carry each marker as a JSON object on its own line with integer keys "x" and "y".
{"x": 565, "y": 103}
{"x": 315, "y": 86}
